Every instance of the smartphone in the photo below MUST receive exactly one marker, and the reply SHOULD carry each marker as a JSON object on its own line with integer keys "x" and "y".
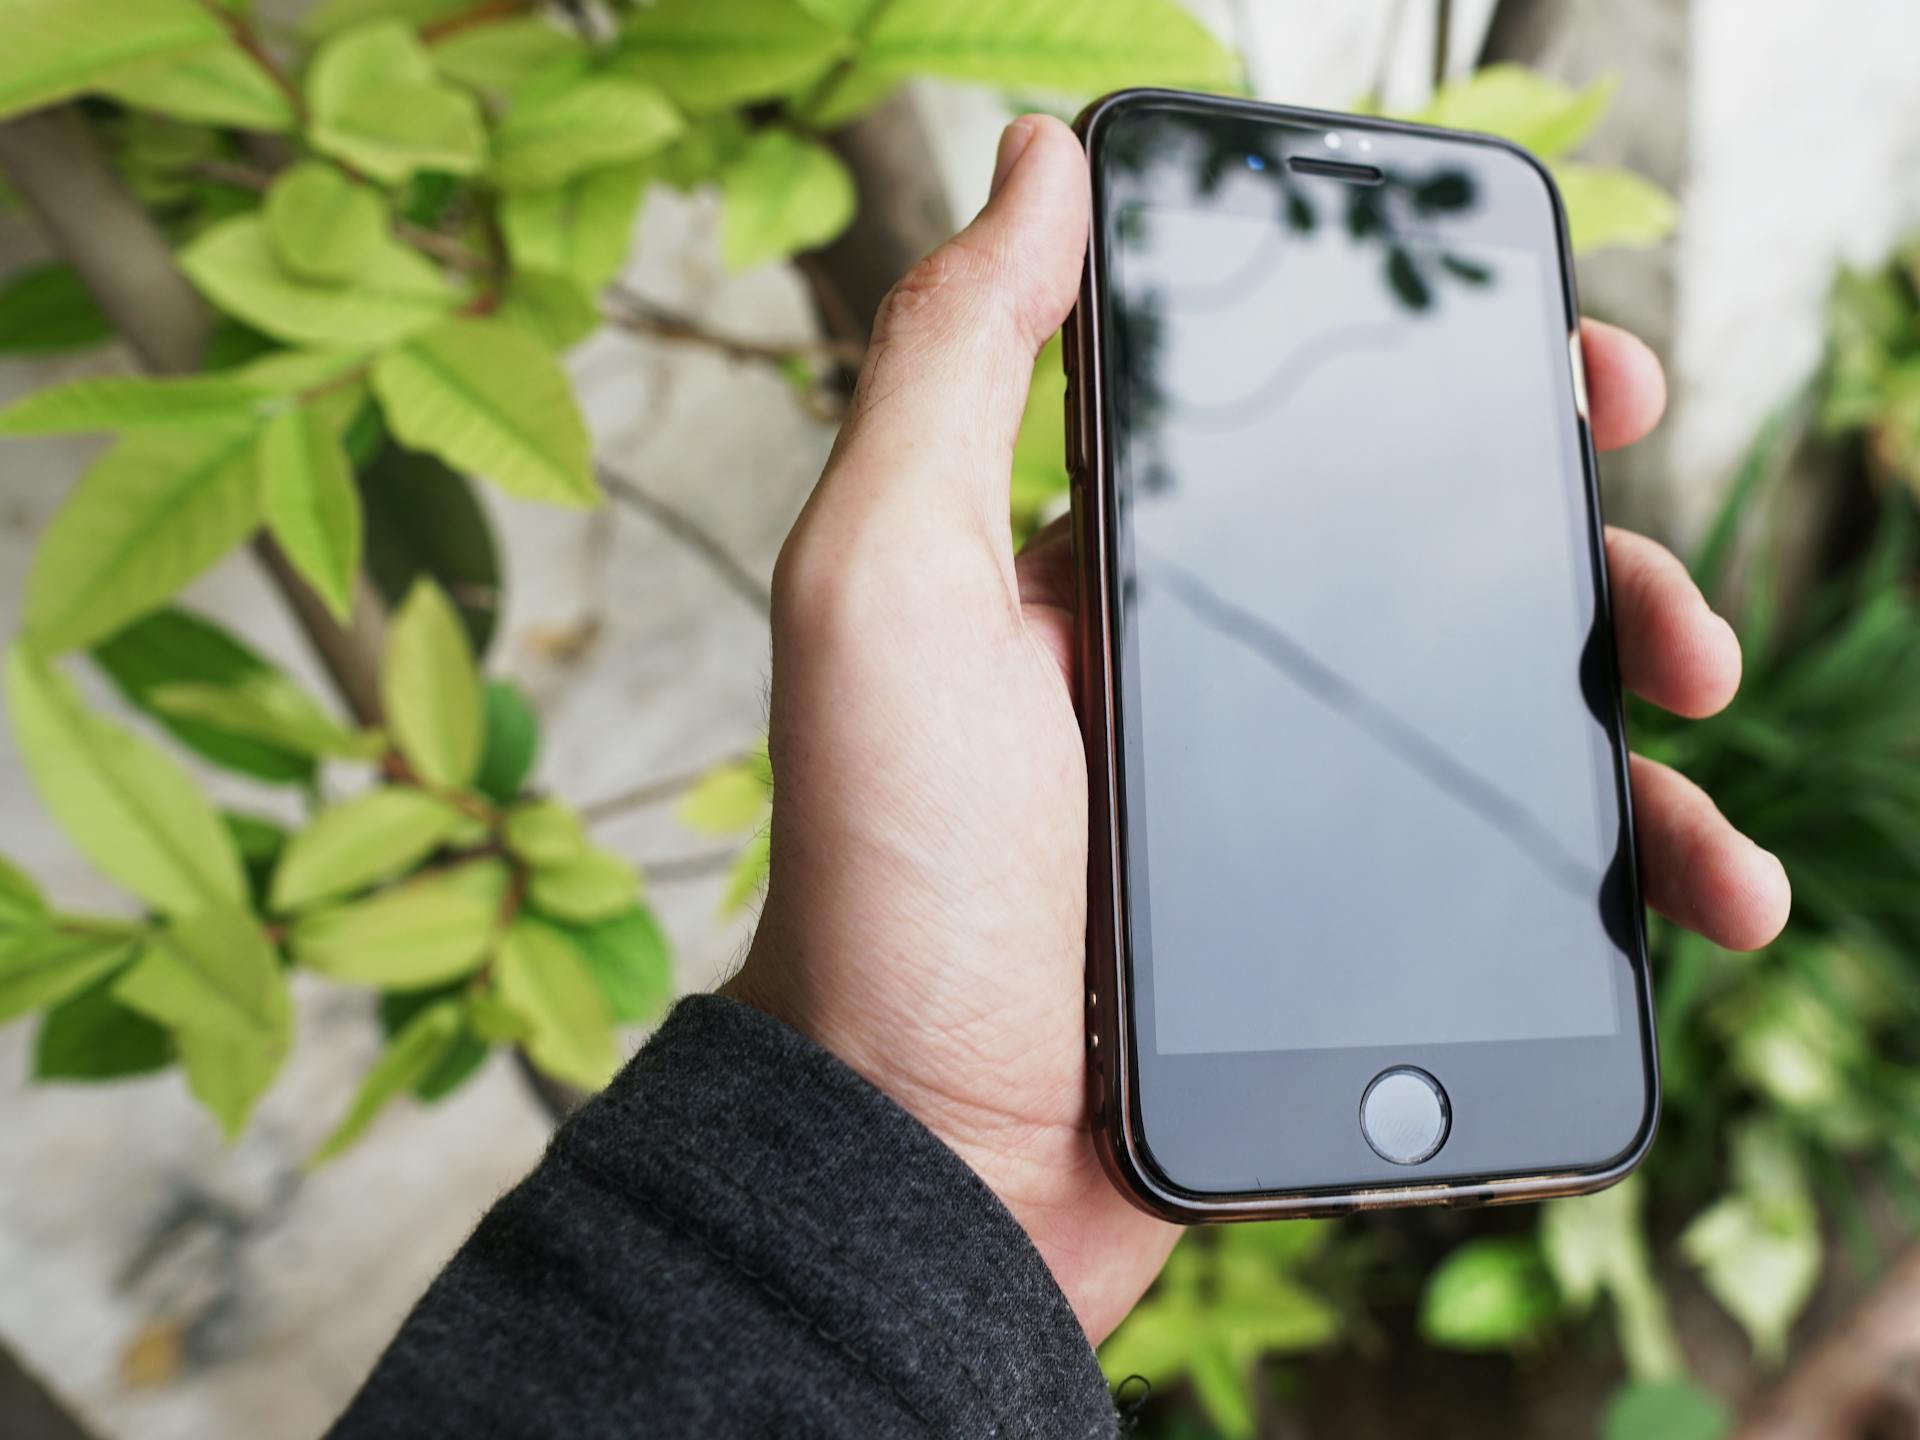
{"x": 1365, "y": 926}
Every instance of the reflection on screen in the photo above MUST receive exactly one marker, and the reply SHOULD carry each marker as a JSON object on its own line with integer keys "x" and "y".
{"x": 1376, "y": 806}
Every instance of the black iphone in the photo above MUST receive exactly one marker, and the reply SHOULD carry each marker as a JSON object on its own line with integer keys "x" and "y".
{"x": 1365, "y": 924}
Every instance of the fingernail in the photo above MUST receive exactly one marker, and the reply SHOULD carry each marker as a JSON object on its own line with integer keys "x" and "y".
{"x": 1013, "y": 144}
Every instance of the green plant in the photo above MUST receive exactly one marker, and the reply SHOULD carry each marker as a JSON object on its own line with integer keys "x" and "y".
{"x": 400, "y": 213}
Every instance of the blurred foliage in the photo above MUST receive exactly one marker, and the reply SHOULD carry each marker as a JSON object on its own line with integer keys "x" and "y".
{"x": 402, "y": 214}
{"x": 1791, "y": 1077}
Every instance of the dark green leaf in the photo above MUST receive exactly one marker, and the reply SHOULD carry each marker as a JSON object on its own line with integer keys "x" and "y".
{"x": 513, "y": 740}
{"x": 53, "y": 49}
{"x": 1489, "y": 1294}
{"x": 423, "y": 521}
{"x": 416, "y": 1054}
{"x": 629, "y": 958}
{"x": 44, "y": 966}
{"x": 469, "y": 1051}
{"x": 1665, "y": 1410}
{"x": 92, "y": 1036}
{"x": 45, "y": 309}
{"x": 259, "y": 842}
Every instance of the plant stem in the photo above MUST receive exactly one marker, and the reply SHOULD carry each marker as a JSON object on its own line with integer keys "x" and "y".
{"x": 654, "y": 792}
{"x": 691, "y": 533}
{"x": 622, "y": 307}
{"x": 485, "y": 13}
{"x": 248, "y": 39}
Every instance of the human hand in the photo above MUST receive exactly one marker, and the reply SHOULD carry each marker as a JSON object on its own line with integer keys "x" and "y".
{"x": 926, "y": 916}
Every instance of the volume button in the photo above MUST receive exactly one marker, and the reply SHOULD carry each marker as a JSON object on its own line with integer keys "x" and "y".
{"x": 1071, "y": 419}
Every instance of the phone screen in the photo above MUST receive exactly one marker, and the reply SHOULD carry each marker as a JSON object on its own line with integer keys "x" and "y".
{"x": 1371, "y": 789}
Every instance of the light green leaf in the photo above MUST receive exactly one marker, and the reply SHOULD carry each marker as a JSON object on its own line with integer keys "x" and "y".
{"x": 1039, "y": 454}
{"x": 1079, "y": 46}
{"x": 554, "y": 309}
{"x": 229, "y": 1076}
{"x": 350, "y": 845}
{"x": 150, "y": 515}
{"x": 847, "y": 95}
{"x": 126, "y": 804}
{"x": 540, "y": 974}
{"x": 844, "y": 15}
{"x": 582, "y": 229}
{"x": 44, "y": 966}
{"x": 330, "y": 17}
{"x": 45, "y": 309}
{"x": 713, "y": 54}
{"x": 1523, "y": 106}
{"x": 265, "y": 705}
{"x": 171, "y": 649}
{"x": 22, "y": 906}
{"x": 292, "y": 372}
{"x": 377, "y": 104}
{"x": 312, "y": 505}
{"x": 631, "y": 963}
{"x": 748, "y": 876}
{"x": 470, "y": 1047}
{"x": 129, "y": 403}
{"x": 212, "y": 972}
{"x": 591, "y": 886}
{"x": 393, "y": 294}
{"x": 783, "y": 195}
{"x": 490, "y": 400}
{"x": 492, "y": 1020}
{"x": 1759, "y": 1249}
{"x": 1608, "y": 207}
{"x": 1665, "y": 1410}
{"x": 505, "y": 55}
{"x": 321, "y": 224}
{"x": 545, "y": 832}
{"x": 92, "y": 1036}
{"x": 425, "y": 932}
{"x": 218, "y": 86}
{"x": 1595, "y": 1243}
{"x": 551, "y": 136}
{"x": 430, "y": 689}
{"x": 1488, "y": 1294}
{"x": 726, "y": 800}
{"x": 416, "y": 1052}
{"x": 53, "y": 49}
{"x": 513, "y": 739}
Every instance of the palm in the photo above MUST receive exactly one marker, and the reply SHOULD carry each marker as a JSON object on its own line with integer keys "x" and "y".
{"x": 927, "y": 913}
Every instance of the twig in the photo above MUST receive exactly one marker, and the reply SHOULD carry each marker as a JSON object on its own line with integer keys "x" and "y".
{"x": 654, "y": 792}
{"x": 484, "y": 13}
{"x": 245, "y": 36}
{"x": 689, "y": 532}
{"x": 689, "y": 867}
{"x": 622, "y": 307}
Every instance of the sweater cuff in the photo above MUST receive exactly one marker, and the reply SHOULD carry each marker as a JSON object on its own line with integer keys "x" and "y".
{"x": 766, "y": 1150}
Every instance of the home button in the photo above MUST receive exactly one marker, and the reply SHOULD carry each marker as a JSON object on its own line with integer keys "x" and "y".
{"x": 1404, "y": 1115}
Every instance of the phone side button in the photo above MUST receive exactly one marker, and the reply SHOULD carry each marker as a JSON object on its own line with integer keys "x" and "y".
{"x": 1071, "y": 418}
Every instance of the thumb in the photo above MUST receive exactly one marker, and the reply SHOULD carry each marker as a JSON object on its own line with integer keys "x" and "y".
{"x": 945, "y": 380}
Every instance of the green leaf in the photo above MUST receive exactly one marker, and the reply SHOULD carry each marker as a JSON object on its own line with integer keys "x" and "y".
{"x": 1608, "y": 207}
{"x": 714, "y": 54}
{"x": 430, "y": 689}
{"x": 1079, "y": 46}
{"x": 591, "y": 886}
{"x": 582, "y": 229}
{"x": 378, "y": 105}
{"x": 394, "y": 293}
{"x": 1039, "y": 454}
{"x": 748, "y": 876}
{"x": 212, "y": 972}
{"x": 370, "y": 837}
{"x": 728, "y": 799}
{"x": 550, "y": 136}
{"x": 330, "y": 17}
{"x": 425, "y": 932}
{"x": 540, "y": 974}
{"x": 412, "y": 1058}
{"x": 545, "y": 832}
{"x": 1595, "y": 1243}
{"x": 219, "y": 86}
{"x": 630, "y": 961}
{"x": 1488, "y": 1294}
{"x": 53, "y": 49}
{"x": 45, "y": 309}
{"x": 321, "y": 224}
{"x": 127, "y": 403}
{"x": 92, "y": 1036}
{"x": 470, "y": 1048}
{"x": 171, "y": 649}
{"x": 848, "y": 95}
{"x": 1759, "y": 1250}
{"x": 783, "y": 195}
{"x": 1523, "y": 106}
{"x": 1665, "y": 1410}
{"x": 513, "y": 739}
{"x": 264, "y": 705}
{"x": 491, "y": 400}
{"x": 554, "y": 309}
{"x": 44, "y": 966}
{"x": 844, "y": 15}
{"x": 312, "y": 505}
{"x": 126, "y": 804}
{"x": 424, "y": 523}
{"x": 506, "y": 54}
{"x": 259, "y": 842}
{"x": 22, "y": 906}
{"x": 152, "y": 514}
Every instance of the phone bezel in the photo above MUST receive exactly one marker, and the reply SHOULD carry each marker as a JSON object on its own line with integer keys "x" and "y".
{"x": 1113, "y": 1068}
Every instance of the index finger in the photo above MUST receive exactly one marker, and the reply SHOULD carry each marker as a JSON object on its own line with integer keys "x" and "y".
{"x": 1626, "y": 387}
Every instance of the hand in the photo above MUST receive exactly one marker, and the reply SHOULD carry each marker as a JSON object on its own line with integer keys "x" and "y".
{"x": 927, "y": 911}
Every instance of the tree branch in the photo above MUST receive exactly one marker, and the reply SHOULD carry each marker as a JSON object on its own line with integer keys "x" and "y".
{"x": 654, "y": 792}
{"x": 622, "y": 307}
{"x": 691, "y": 533}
